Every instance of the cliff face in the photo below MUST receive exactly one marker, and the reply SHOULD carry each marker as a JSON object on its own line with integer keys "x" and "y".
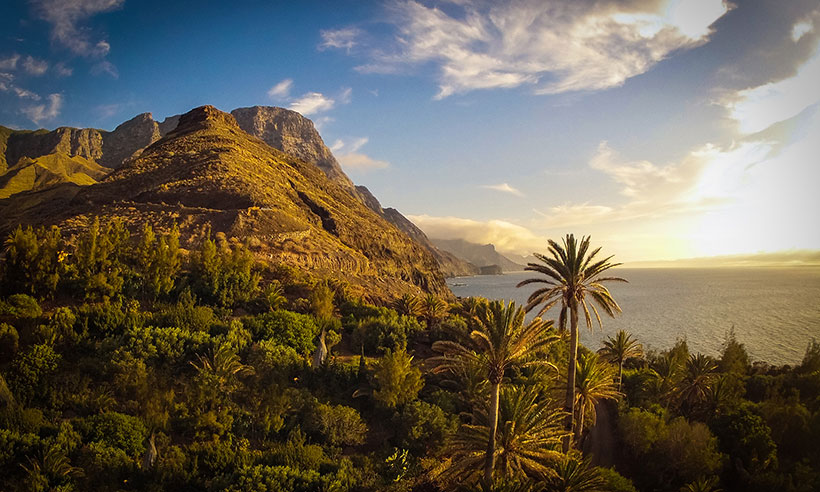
{"x": 293, "y": 134}
{"x": 478, "y": 254}
{"x": 209, "y": 173}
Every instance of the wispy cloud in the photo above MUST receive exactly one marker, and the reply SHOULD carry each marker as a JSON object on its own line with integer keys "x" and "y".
{"x": 554, "y": 47}
{"x": 345, "y": 38}
{"x": 312, "y": 102}
{"x": 34, "y": 66}
{"x": 281, "y": 90}
{"x": 106, "y": 67}
{"x": 25, "y": 94}
{"x": 63, "y": 70}
{"x": 10, "y": 62}
{"x": 504, "y": 188}
{"x": 66, "y": 17}
{"x": 43, "y": 112}
{"x": 348, "y": 155}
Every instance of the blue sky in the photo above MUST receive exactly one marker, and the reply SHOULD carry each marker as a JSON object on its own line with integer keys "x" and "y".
{"x": 665, "y": 129}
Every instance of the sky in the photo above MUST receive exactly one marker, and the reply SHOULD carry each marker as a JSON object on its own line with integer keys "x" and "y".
{"x": 662, "y": 129}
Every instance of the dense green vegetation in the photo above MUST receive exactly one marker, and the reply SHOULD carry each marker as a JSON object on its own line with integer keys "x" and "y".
{"x": 128, "y": 363}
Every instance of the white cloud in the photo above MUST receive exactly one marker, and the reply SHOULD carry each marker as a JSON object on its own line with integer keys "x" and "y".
{"x": 105, "y": 66}
{"x": 506, "y": 236}
{"x": 5, "y": 81}
{"x": 355, "y": 161}
{"x": 311, "y": 103}
{"x": 63, "y": 70}
{"x": 504, "y": 188}
{"x": 35, "y": 67}
{"x": 344, "y": 39}
{"x": 554, "y": 46}
{"x": 281, "y": 90}
{"x": 65, "y": 17}
{"x": 42, "y": 112}
{"x": 25, "y": 94}
{"x": 10, "y": 62}
{"x": 351, "y": 159}
{"x": 346, "y": 95}
{"x": 801, "y": 29}
{"x": 757, "y": 108}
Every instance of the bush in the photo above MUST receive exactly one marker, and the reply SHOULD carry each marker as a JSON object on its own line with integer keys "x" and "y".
{"x": 336, "y": 424}
{"x": 31, "y": 372}
{"x": 9, "y": 342}
{"x": 286, "y": 328}
{"x": 388, "y": 331}
{"x": 119, "y": 431}
{"x": 20, "y": 306}
{"x": 423, "y": 428}
{"x": 395, "y": 380}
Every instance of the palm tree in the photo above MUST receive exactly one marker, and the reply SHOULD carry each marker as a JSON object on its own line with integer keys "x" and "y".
{"x": 500, "y": 339}
{"x": 701, "y": 372}
{"x": 433, "y": 309}
{"x": 408, "y": 305}
{"x": 530, "y": 432}
{"x": 593, "y": 383}
{"x": 621, "y": 348}
{"x": 666, "y": 369}
{"x": 572, "y": 274}
{"x": 575, "y": 475}
{"x": 702, "y": 484}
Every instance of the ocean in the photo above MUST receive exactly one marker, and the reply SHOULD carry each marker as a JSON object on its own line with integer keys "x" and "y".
{"x": 775, "y": 312}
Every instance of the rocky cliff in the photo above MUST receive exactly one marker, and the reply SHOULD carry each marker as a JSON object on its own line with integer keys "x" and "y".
{"x": 208, "y": 173}
{"x": 478, "y": 254}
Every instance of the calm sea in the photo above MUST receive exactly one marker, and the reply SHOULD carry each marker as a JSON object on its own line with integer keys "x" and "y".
{"x": 775, "y": 311}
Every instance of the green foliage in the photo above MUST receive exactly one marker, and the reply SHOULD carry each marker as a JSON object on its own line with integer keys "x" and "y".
{"x": 667, "y": 454}
{"x": 31, "y": 373}
{"x": 337, "y": 424}
{"x": 32, "y": 261}
{"x": 99, "y": 260}
{"x": 321, "y": 301}
{"x": 119, "y": 431}
{"x": 158, "y": 261}
{"x": 615, "y": 482}
{"x": 286, "y": 328}
{"x": 745, "y": 437}
{"x": 386, "y": 331}
{"x": 9, "y": 342}
{"x": 395, "y": 380}
{"x": 20, "y": 306}
{"x": 423, "y": 428}
{"x": 224, "y": 273}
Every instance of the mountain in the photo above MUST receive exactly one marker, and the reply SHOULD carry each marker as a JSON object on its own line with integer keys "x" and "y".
{"x": 49, "y": 170}
{"x": 477, "y": 254}
{"x": 450, "y": 265}
{"x": 208, "y": 173}
{"x": 293, "y": 134}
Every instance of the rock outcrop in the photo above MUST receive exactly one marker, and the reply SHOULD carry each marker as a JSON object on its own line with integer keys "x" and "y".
{"x": 293, "y": 134}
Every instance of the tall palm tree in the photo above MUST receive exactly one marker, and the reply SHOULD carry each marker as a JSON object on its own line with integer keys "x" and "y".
{"x": 667, "y": 369}
{"x": 433, "y": 309}
{"x": 593, "y": 383}
{"x": 530, "y": 432}
{"x": 499, "y": 339}
{"x": 572, "y": 273}
{"x": 695, "y": 389}
{"x": 621, "y": 348}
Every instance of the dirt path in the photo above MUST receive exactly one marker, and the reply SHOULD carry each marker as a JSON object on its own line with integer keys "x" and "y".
{"x": 600, "y": 443}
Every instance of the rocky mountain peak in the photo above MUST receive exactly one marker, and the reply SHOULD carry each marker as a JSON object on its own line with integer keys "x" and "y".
{"x": 204, "y": 117}
{"x": 293, "y": 134}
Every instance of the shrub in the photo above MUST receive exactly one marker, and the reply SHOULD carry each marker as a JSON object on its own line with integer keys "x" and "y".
{"x": 422, "y": 427}
{"x": 337, "y": 424}
{"x": 387, "y": 331}
{"x": 119, "y": 431}
{"x": 20, "y": 306}
{"x": 395, "y": 380}
{"x": 286, "y": 328}
{"x": 31, "y": 372}
{"x": 9, "y": 342}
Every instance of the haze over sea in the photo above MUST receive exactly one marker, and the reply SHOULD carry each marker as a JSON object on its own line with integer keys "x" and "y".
{"x": 775, "y": 311}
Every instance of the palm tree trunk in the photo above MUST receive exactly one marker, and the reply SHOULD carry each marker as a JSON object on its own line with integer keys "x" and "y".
{"x": 579, "y": 429}
{"x": 489, "y": 462}
{"x": 620, "y": 373}
{"x": 569, "y": 405}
